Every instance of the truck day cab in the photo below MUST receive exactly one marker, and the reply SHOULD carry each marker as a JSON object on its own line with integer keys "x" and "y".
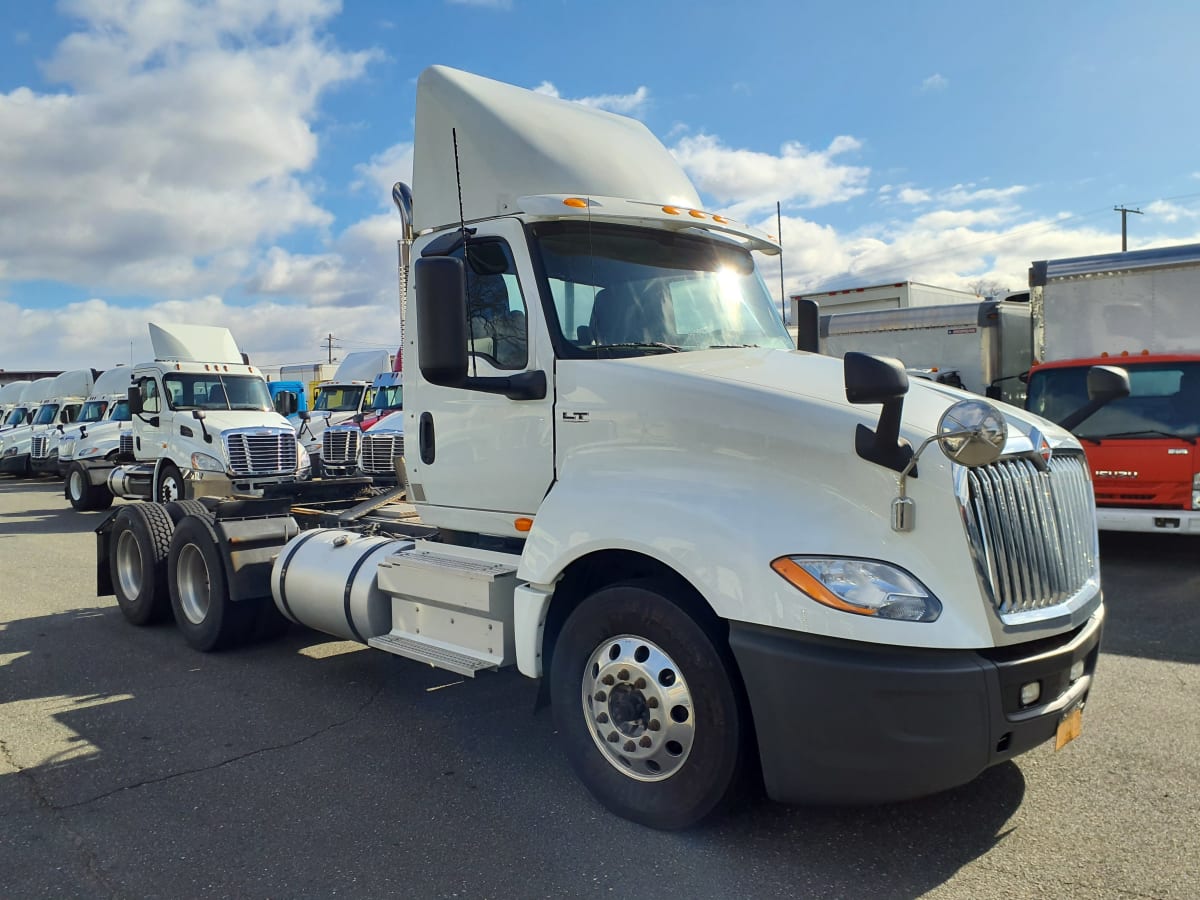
{"x": 630, "y": 486}
{"x": 341, "y": 401}
{"x": 60, "y": 401}
{"x": 203, "y": 424}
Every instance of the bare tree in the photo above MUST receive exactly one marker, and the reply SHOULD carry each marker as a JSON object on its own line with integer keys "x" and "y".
{"x": 988, "y": 288}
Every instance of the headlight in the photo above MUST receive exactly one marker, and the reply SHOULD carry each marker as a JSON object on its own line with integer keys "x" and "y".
{"x": 861, "y": 586}
{"x": 206, "y": 463}
{"x": 66, "y": 449}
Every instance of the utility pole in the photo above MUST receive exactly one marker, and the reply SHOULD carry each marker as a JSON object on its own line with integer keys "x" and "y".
{"x": 329, "y": 339}
{"x": 1124, "y": 215}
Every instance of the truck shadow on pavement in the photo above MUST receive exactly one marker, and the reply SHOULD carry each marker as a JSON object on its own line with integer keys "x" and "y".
{"x": 53, "y": 514}
{"x": 121, "y": 745}
{"x": 1151, "y": 588}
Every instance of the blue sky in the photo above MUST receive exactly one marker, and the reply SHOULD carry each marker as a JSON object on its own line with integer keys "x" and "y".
{"x": 228, "y": 161}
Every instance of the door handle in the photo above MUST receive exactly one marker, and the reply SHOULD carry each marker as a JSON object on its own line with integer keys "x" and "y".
{"x": 425, "y": 438}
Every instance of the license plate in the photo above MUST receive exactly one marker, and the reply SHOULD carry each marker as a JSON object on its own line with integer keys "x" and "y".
{"x": 1069, "y": 727}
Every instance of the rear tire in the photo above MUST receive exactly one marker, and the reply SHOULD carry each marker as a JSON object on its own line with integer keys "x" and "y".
{"x": 646, "y": 701}
{"x": 138, "y": 547}
{"x": 84, "y": 495}
{"x": 178, "y": 509}
{"x": 205, "y": 614}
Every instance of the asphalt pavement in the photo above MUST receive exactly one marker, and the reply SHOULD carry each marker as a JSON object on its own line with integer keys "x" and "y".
{"x": 133, "y": 766}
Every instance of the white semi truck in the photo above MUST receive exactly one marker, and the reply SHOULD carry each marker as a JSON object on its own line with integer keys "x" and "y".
{"x": 96, "y": 423}
{"x": 61, "y": 401}
{"x": 203, "y": 424}
{"x": 626, "y": 483}
{"x": 343, "y": 401}
{"x": 10, "y": 405}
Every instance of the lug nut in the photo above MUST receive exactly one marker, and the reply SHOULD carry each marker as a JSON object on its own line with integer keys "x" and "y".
{"x": 654, "y": 725}
{"x": 623, "y": 674}
{"x": 645, "y": 741}
{"x": 602, "y": 718}
{"x": 609, "y": 680}
{"x": 613, "y": 738}
{"x": 601, "y": 696}
{"x": 630, "y": 746}
{"x": 640, "y": 684}
{"x": 652, "y": 702}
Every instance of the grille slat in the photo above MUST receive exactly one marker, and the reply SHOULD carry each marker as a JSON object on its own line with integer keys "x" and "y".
{"x": 39, "y": 447}
{"x": 126, "y": 445}
{"x": 254, "y": 454}
{"x": 379, "y": 452}
{"x": 1033, "y": 531}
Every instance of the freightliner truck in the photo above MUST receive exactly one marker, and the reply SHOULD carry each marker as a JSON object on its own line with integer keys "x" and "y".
{"x": 60, "y": 403}
{"x": 625, "y": 482}
{"x": 203, "y": 425}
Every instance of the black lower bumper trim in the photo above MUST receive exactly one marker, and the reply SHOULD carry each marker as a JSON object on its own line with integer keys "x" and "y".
{"x": 847, "y": 722}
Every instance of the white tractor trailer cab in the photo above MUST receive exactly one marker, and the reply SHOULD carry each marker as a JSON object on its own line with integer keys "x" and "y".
{"x": 342, "y": 401}
{"x": 103, "y": 431}
{"x": 10, "y": 404}
{"x": 629, "y": 485}
{"x": 203, "y": 424}
{"x": 26, "y": 449}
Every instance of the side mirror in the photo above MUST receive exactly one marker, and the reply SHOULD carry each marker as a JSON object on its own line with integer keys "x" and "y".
{"x": 441, "y": 286}
{"x": 286, "y": 403}
{"x": 198, "y": 414}
{"x": 878, "y": 379}
{"x": 303, "y": 415}
{"x": 972, "y": 433}
{"x": 135, "y": 400}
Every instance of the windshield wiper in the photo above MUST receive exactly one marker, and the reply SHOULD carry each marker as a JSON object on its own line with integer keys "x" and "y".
{"x": 640, "y": 345}
{"x": 1169, "y": 434}
{"x": 730, "y": 346}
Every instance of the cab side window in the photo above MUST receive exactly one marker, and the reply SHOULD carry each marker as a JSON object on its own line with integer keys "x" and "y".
{"x": 151, "y": 402}
{"x": 496, "y": 326}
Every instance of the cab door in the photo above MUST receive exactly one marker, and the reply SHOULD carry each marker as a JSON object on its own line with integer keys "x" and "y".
{"x": 471, "y": 450}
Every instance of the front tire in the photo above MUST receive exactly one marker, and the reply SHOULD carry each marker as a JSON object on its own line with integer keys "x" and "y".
{"x": 645, "y": 699}
{"x": 205, "y": 614}
{"x": 138, "y": 548}
{"x": 171, "y": 486}
{"x": 83, "y": 495}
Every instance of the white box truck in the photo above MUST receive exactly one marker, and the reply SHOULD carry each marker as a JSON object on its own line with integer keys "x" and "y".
{"x": 984, "y": 346}
{"x": 1140, "y": 311}
{"x": 894, "y": 295}
{"x": 703, "y": 542}
{"x": 203, "y": 424}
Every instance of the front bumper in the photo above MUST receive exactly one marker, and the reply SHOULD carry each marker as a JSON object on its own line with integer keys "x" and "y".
{"x": 847, "y": 722}
{"x": 1168, "y": 521}
{"x": 47, "y": 465}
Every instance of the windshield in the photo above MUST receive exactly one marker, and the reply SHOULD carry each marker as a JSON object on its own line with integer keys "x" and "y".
{"x": 1164, "y": 398}
{"x": 391, "y": 397}
{"x": 213, "y": 391}
{"x": 333, "y": 398}
{"x": 646, "y": 290}
{"x": 45, "y": 414}
{"x": 16, "y": 416}
{"x": 93, "y": 411}
{"x": 120, "y": 412}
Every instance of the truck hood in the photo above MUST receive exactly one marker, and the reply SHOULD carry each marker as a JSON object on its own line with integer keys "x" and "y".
{"x": 220, "y": 421}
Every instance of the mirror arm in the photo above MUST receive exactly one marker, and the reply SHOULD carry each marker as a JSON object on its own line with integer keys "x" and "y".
{"x": 884, "y": 446}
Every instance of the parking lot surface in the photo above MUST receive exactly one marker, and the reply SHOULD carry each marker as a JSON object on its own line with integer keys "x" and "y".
{"x": 132, "y": 766}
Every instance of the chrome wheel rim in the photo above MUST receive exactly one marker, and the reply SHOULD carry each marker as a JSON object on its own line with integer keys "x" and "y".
{"x": 129, "y": 565}
{"x": 193, "y": 583}
{"x": 638, "y": 708}
{"x": 170, "y": 489}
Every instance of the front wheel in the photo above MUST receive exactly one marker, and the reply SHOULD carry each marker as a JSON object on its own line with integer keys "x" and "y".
{"x": 170, "y": 484}
{"x": 645, "y": 699}
{"x": 84, "y": 495}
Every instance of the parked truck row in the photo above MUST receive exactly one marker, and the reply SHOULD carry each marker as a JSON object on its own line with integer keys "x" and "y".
{"x": 717, "y": 554}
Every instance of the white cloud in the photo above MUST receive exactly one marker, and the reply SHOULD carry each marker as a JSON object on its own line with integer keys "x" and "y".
{"x": 1169, "y": 212}
{"x": 384, "y": 170}
{"x": 179, "y": 142}
{"x": 625, "y": 104}
{"x": 747, "y": 182}
{"x": 935, "y": 82}
{"x": 913, "y": 196}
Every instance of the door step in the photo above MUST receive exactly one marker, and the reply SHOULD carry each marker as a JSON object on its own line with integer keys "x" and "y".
{"x": 438, "y": 656}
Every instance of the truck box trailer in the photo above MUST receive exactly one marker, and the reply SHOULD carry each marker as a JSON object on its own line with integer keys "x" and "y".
{"x": 982, "y": 346}
{"x": 625, "y": 483}
{"x": 894, "y": 295}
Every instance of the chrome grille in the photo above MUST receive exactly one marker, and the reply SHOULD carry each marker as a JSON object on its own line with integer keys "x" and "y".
{"x": 126, "y": 446}
{"x": 339, "y": 446}
{"x": 255, "y": 453}
{"x": 379, "y": 451}
{"x": 39, "y": 447}
{"x": 1033, "y": 531}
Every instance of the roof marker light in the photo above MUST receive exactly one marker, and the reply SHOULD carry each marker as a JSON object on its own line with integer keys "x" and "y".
{"x": 696, "y": 214}
{"x": 720, "y": 220}
{"x": 523, "y": 524}
{"x": 576, "y": 202}
{"x": 670, "y": 210}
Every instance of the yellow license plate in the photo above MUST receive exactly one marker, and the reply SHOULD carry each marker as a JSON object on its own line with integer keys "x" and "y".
{"x": 1069, "y": 727}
